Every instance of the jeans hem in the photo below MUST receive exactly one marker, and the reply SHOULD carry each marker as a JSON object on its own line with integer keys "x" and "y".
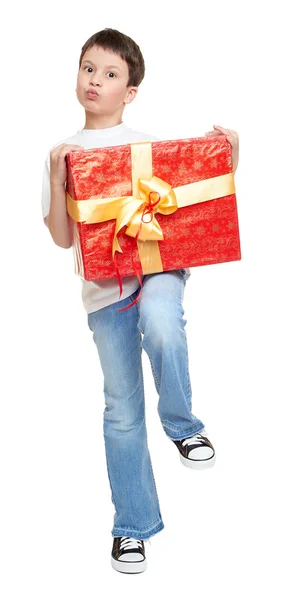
{"x": 139, "y": 535}
{"x": 183, "y": 434}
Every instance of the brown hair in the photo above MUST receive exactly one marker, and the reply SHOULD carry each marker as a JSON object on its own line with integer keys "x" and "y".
{"x": 124, "y": 46}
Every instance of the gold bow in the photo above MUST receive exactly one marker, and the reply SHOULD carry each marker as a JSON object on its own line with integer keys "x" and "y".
{"x": 156, "y": 195}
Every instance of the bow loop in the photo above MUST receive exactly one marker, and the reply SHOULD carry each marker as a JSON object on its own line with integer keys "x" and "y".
{"x": 168, "y": 203}
{"x": 155, "y": 195}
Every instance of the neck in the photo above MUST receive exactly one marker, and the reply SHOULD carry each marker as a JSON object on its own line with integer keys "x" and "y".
{"x": 101, "y": 121}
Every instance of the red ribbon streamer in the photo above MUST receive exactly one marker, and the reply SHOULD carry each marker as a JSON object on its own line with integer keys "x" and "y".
{"x": 148, "y": 209}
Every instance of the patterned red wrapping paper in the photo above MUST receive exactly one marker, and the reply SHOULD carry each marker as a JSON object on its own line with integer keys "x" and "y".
{"x": 195, "y": 235}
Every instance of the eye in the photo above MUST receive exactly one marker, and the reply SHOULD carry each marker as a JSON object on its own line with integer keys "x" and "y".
{"x": 111, "y": 72}
{"x": 88, "y": 67}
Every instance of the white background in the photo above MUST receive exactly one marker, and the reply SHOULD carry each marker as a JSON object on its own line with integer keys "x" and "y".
{"x": 228, "y": 530}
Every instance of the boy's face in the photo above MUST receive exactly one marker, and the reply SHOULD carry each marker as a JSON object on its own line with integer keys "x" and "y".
{"x": 107, "y": 74}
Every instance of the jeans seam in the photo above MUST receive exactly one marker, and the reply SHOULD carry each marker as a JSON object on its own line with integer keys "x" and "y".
{"x": 138, "y": 315}
{"x": 187, "y": 373}
{"x": 155, "y": 376}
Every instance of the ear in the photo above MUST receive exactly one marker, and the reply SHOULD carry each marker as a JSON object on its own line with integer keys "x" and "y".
{"x": 130, "y": 94}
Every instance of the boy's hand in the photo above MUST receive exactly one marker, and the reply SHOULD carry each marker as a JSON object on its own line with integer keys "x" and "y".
{"x": 232, "y": 138}
{"x": 58, "y": 173}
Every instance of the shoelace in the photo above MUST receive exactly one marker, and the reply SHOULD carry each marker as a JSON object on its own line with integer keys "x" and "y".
{"x": 195, "y": 438}
{"x": 131, "y": 543}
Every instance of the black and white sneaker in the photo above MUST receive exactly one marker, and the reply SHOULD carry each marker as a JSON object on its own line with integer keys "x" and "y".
{"x": 128, "y": 555}
{"x": 196, "y": 452}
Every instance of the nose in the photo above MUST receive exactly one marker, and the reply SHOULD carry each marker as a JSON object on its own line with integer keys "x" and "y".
{"x": 96, "y": 79}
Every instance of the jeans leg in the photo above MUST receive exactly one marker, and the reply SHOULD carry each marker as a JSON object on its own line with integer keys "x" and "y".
{"x": 164, "y": 339}
{"x": 134, "y": 495}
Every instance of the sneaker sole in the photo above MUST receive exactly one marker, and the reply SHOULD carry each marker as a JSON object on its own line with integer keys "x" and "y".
{"x": 128, "y": 567}
{"x": 198, "y": 464}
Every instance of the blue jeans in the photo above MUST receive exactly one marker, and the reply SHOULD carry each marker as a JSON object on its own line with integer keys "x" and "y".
{"x": 158, "y": 315}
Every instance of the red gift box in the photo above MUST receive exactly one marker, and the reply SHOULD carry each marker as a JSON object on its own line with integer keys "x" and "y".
{"x": 104, "y": 183}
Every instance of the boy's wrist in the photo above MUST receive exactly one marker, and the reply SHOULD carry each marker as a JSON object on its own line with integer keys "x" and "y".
{"x": 57, "y": 184}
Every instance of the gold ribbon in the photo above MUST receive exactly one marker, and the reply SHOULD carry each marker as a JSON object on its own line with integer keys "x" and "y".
{"x": 150, "y": 195}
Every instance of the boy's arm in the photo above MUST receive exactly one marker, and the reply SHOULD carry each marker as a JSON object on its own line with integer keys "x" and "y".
{"x": 60, "y": 223}
{"x": 54, "y": 210}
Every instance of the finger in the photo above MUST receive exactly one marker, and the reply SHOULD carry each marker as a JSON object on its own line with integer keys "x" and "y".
{"x": 227, "y": 131}
{"x": 231, "y": 140}
{"x": 222, "y": 129}
{"x": 64, "y": 151}
{"x": 66, "y": 147}
{"x": 74, "y": 149}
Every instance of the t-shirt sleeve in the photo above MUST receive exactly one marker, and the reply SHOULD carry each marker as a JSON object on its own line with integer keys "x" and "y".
{"x": 46, "y": 189}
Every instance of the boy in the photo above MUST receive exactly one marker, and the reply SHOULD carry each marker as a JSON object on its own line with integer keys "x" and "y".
{"x": 111, "y": 67}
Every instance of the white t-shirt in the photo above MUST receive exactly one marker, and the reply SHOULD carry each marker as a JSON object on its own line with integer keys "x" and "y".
{"x": 99, "y": 293}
